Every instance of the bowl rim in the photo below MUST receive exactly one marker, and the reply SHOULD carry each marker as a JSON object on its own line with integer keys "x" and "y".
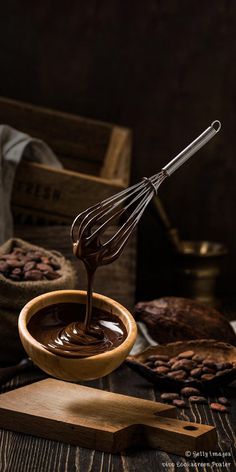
{"x": 25, "y": 334}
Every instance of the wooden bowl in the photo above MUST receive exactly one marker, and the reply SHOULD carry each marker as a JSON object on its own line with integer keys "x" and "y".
{"x": 75, "y": 369}
{"x": 208, "y": 348}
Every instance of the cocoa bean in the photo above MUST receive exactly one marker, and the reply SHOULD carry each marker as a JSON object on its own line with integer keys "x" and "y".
{"x": 189, "y": 391}
{"x": 33, "y": 275}
{"x": 218, "y": 407}
{"x": 158, "y": 357}
{"x": 196, "y": 372}
{"x": 177, "y": 374}
{"x": 207, "y": 370}
{"x": 159, "y": 363}
{"x": 15, "y": 278}
{"x": 44, "y": 267}
{"x": 45, "y": 260}
{"x": 169, "y": 397}
{"x": 161, "y": 370}
{"x": 185, "y": 364}
{"x": 180, "y": 403}
{"x": 16, "y": 271}
{"x": 223, "y": 401}
{"x": 209, "y": 363}
{"x": 197, "y": 358}
{"x": 153, "y": 358}
{"x": 33, "y": 256}
{"x": 149, "y": 364}
{"x": 224, "y": 365}
{"x": 223, "y": 372}
{"x": 197, "y": 399}
{"x": 4, "y": 267}
{"x": 29, "y": 266}
{"x": 186, "y": 355}
{"x": 207, "y": 376}
{"x": 15, "y": 263}
{"x": 52, "y": 275}
{"x": 173, "y": 360}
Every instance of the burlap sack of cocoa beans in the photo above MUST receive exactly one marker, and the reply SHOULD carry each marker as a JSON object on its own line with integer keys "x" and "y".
{"x": 15, "y": 294}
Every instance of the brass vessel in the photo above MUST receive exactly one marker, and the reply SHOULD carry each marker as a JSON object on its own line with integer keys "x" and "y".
{"x": 196, "y": 263}
{"x": 197, "y": 266}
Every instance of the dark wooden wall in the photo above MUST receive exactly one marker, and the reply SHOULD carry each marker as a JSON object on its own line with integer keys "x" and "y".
{"x": 167, "y": 69}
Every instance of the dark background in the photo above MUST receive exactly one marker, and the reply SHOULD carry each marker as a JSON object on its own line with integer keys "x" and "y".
{"x": 164, "y": 68}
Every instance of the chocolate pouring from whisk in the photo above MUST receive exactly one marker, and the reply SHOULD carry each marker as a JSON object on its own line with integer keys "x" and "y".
{"x": 92, "y": 223}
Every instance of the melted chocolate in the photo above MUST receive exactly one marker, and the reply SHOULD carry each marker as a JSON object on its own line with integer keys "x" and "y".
{"x": 60, "y": 328}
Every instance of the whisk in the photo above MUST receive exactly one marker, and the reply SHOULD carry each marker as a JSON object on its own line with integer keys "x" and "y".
{"x": 89, "y": 227}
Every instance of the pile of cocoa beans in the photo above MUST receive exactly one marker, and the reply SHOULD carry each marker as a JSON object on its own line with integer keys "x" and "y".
{"x": 189, "y": 366}
{"x": 21, "y": 265}
{"x": 193, "y": 395}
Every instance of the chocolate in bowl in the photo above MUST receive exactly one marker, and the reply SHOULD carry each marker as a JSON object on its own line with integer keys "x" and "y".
{"x": 60, "y": 329}
{"x": 207, "y": 348}
{"x": 76, "y": 368}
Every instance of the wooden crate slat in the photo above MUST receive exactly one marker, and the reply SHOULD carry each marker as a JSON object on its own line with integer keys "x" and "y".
{"x": 96, "y": 158}
{"x": 59, "y": 193}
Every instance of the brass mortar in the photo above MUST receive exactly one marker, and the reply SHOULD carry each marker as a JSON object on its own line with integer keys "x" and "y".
{"x": 197, "y": 268}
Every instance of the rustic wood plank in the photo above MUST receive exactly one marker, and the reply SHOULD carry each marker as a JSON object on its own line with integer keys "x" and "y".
{"x": 50, "y": 456}
{"x": 96, "y": 158}
{"x": 65, "y": 133}
{"x": 59, "y": 194}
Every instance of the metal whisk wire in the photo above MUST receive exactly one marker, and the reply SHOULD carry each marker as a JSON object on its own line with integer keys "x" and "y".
{"x": 92, "y": 223}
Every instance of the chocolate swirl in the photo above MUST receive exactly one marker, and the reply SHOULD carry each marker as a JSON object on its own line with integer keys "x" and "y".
{"x": 74, "y": 341}
{"x": 60, "y": 328}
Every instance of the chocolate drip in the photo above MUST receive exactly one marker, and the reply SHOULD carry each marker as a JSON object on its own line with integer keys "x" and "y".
{"x": 60, "y": 328}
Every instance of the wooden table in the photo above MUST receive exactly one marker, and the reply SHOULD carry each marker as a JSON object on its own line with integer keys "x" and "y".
{"x": 22, "y": 453}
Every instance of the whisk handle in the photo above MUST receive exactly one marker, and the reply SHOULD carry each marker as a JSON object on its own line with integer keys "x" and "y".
{"x": 193, "y": 147}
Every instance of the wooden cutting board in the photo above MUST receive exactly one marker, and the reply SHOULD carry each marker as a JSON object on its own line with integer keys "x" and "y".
{"x": 99, "y": 420}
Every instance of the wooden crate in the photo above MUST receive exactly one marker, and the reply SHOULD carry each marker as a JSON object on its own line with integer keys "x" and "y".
{"x": 96, "y": 158}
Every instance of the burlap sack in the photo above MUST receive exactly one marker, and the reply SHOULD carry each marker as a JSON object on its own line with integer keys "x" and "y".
{"x": 14, "y": 295}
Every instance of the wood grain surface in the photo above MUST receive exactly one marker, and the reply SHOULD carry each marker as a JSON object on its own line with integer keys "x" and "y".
{"x": 22, "y": 453}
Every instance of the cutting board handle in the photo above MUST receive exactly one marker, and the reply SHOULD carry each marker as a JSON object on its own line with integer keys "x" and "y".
{"x": 177, "y": 436}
